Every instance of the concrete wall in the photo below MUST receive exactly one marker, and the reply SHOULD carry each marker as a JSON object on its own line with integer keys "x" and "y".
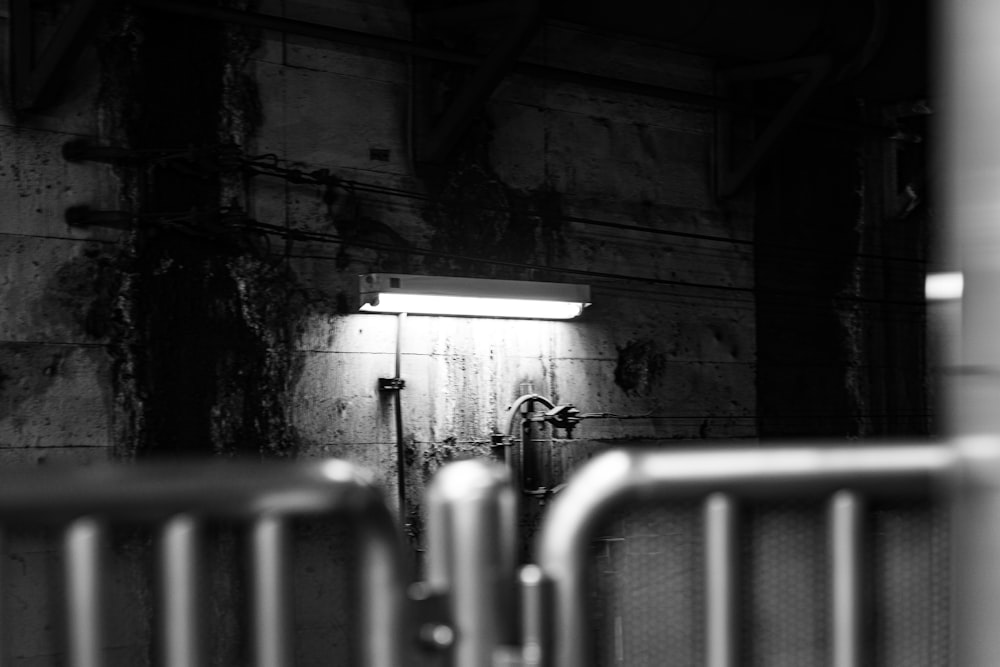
{"x": 674, "y": 360}
{"x": 58, "y": 284}
{"x": 159, "y": 342}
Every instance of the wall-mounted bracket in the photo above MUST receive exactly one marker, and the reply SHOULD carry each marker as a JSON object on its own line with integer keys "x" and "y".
{"x": 732, "y": 171}
{"x": 391, "y": 384}
{"x": 38, "y": 74}
{"x": 437, "y": 124}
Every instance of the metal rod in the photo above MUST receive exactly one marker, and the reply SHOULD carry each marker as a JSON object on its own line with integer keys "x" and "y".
{"x": 180, "y": 582}
{"x": 615, "y": 478}
{"x": 271, "y": 608}
{"x": 82, "y": 542}
{"x": 471, "y": 557}
{"x": 721, "y": 604}
{"x": 847, "y": 613}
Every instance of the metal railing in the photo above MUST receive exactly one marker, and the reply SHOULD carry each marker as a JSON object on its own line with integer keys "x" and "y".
{"x": 721, "y": 478}
{"x": 475, "y": 608}
{"x": 178, "y": 499}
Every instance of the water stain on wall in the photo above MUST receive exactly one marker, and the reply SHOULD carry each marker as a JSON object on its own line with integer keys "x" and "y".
{"x": 641, "y": 364}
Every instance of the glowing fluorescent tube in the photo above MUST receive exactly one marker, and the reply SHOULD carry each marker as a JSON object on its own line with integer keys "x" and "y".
{"x": 944, "y": 286}
{"x": 471, "y": 297}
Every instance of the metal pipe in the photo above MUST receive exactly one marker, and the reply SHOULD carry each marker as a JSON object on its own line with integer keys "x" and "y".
{"x": 969, "y": 152}
{"x": 271, "y": 607}
{"x": 5, "y": 616}
{"x": 383, "y": 598}
{"x": 614, "y": 478}
{"x": 535, "y": 615}
{"x": 471, "y": 557}
{"x": 975, "y": 514}
{"x": 158, "y": 491}
{"x": 83, "y": 541}
{"x": 180, "y": 584}
{"x": 529, "y": 468}
{"x": 398, "y": 407}
{"x": 848, "y": 612}
{"x": 721, "y": 600}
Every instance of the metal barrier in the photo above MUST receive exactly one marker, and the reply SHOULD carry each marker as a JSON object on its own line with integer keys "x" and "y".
{"x": 179, "y": 498}
{"x": 474, "y": 610}
{"x": 722, "y": 477}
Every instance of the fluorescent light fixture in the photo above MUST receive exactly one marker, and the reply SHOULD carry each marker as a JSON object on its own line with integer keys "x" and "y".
{"x": 944, "y": 286}
{"x": 471, "y": 297}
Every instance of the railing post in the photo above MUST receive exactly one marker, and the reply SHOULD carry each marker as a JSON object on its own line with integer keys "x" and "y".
{"x": 471, "y": 558}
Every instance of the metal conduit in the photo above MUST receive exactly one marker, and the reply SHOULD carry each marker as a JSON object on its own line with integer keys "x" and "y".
{"x": 614, "y": 479}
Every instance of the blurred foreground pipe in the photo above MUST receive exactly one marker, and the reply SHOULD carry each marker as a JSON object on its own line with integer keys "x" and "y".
{"x": 848, "y": 612}
{"x": 471, "y": 557}
{"x": 721, "y": 583}
{"x": 969, "y": 50}
{"x": 83, "y": 542}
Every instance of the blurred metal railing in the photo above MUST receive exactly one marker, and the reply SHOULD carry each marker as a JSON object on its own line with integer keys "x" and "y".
{"x": 179, "y": 498}
{"x": 721, "y": 478}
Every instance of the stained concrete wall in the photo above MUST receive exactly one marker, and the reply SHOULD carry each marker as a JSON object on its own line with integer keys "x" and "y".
{"x": 92, "y": 321}
{"x": 58, "y": 284}
{"x": 671, "y": 360}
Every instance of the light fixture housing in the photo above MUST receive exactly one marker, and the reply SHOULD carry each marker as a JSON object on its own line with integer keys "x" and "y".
{"x": 471, "y": 297}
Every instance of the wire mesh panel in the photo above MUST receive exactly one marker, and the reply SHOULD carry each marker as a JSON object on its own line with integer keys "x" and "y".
{"x": 646, "y": 591}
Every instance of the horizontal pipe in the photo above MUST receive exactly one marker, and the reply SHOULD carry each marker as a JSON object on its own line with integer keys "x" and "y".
{"x": 615, "y": 478}
{"x": 158, "y": 491}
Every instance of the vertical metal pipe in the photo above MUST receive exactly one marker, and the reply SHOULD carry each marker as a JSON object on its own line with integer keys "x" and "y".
{"x": 470, "y": 557}
{"x": 82, "y": 543}
{"x": 398, "y": 407}
{"x": 970, "y": 152}
{"x": 5, "y": 638}
{"x": 271, "y": 608}
{"x": 969, "y": 148}
{"x": 721, "y": 603}
{"x": 848, "y": 611}
{"x": 382, "y": 595}
{"x": 180, "y": 584}
{"x": 536, "y": 638}
{"x": 976, "y": 552}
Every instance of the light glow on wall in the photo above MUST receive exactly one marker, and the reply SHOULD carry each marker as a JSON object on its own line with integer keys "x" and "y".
{"x": 471, "y": 297}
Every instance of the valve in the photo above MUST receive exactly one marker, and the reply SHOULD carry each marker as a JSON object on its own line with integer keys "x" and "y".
{"x": 565, "y": 417}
